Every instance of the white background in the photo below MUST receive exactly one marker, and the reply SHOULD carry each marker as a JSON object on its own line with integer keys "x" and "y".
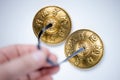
{"x": 101, "y": 16}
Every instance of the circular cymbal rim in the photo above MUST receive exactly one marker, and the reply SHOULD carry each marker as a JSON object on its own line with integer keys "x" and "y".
{"x": 60, "y": 20}
{"x": 93, "y": 48}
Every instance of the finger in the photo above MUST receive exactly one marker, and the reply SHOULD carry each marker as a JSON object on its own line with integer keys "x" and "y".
{"x": 34, "y": 75}
{"x": 53, "y": 58}
{"x": 45, "y": 78}
{"x": 46, "y": 71}
{"x": 49, "y": 70}
{"x": 23, "y": 65}
{"x": 14, "y": 51}
{"x": 2, "y": 58}
{"x": 46, "y": 50}
{"x": 23, "y": 78}
{"x": 25, "y": 49}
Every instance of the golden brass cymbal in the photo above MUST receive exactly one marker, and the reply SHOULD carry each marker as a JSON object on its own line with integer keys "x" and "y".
{"x": 60, "y": 20}
{"x": 93, "y": 48}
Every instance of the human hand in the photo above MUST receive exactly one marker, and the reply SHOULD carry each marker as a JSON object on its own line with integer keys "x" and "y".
{"x": 26, "y": 62}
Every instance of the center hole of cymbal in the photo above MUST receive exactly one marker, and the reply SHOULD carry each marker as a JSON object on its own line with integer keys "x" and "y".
{"x": 53, "y": 29}
{"x": 86, "y": 45}
{"x": 50, "y": 24}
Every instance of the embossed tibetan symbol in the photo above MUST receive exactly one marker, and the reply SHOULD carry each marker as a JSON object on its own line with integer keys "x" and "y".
{"x": 93, "y": 48}
{"x": 60, "y": 20}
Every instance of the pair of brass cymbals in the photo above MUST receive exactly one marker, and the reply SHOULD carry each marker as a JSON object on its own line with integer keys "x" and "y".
{"x": 61, "y": 27}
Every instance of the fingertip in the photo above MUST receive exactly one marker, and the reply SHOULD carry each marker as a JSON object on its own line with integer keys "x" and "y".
{"x": 53, "y": 57}
{"x": 46, "y": 51}
{"x": 56, "y": 69}
{"x": 53, "y": 70}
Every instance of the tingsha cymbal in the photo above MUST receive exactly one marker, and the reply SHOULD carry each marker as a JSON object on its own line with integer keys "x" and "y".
{"x": 93, "y": 48}
{"x": 60, "y": 20}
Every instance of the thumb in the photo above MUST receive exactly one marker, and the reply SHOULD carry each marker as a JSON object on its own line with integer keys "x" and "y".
{"x": 23, "y": 65}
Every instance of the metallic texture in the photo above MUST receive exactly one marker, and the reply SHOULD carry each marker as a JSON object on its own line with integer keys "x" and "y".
{"x": 93, "y": 48}
{"x": 60, "y": 20}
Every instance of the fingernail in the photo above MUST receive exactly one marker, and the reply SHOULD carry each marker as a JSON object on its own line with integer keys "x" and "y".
{"x": 39, "y": 55}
